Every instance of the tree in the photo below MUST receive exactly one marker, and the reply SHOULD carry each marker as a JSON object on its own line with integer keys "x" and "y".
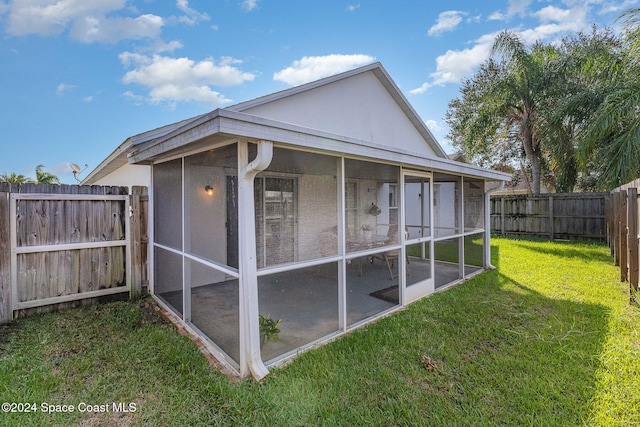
{"x": 472, "y": 119}
{"x": 43, "y": 177}
{"x": 572, "y": 111}
{"x": 586, "y": 62}
{"x": 14, "y": 178}
{"x": 612, "y": 132}
{"x": 497, "y": 115}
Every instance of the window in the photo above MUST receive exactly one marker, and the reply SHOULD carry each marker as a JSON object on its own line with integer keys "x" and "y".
{"x": 393, "y": 203}
{"x": 276, "y": 208}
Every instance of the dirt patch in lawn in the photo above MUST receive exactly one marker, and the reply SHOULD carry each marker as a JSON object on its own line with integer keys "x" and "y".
{"x": 152, "y": 313}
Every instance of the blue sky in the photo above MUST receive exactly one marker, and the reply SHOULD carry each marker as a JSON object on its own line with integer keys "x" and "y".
{"x": 80, "y": 76}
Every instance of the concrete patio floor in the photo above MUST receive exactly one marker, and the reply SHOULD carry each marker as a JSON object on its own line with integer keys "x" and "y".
{"x": 306, "y": 301}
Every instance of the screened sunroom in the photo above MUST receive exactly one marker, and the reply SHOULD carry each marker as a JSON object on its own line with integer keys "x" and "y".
{"x": 322, "y": 207}
{"x": 337, "y": 241}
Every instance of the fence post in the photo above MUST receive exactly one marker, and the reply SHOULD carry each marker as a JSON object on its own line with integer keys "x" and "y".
{"x": 502, "y": 228}
{"x": 551, "y": 216}
{"x": 632, "y": 223}
{"x": 623, "y": 237}
{"x": 5, "y": 276}
{"x": 610, "y": 220}
{"x": 136, "y": 222}
{"x": 615, "y": 200}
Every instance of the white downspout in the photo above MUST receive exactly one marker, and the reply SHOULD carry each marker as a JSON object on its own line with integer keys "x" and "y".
{"x": 250, "y": 358}
{"x": 487, "y": 225}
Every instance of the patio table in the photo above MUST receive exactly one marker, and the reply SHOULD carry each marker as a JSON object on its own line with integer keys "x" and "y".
{"x": 360, "y": 243}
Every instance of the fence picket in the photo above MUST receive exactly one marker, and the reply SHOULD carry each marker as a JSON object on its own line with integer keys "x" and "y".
{"x": 5, "y": 277}
{"x": 632, "y": 220}
{"x": 555, "y": 216}
{"x": 623, "y": 236}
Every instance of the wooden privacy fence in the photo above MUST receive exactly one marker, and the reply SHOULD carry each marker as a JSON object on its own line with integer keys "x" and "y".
{"x": 60, "y": 244}
{"x": 570, "y": 216}
{"x": 623, "y": 227}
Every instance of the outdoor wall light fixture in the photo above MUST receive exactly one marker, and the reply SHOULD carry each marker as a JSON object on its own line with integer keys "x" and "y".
{"x": 209, "y": 190}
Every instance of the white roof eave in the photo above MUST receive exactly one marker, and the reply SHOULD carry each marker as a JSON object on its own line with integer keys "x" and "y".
{"x": 252, "y": 127}
{"x": 118, "y": 157}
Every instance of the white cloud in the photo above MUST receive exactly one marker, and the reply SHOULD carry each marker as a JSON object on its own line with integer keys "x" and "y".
{"x": 447, "y": 21}
{"x": 160, "y": 46}
{"x": 182, "y": 79}
{"x": 457, "y": 64}
{"x": 91, "y": 29}
{"x": 518, "y": 7}
{"x": 353, "y": 7}
{"x": 552, "y": 13}
{"x": 62, "y": 88}
{"x": 136, "y": 99}
{"x": 88, "y": 98}
{"x": 91, "y": 20}
{"x": 48, "y": 17}
{"x": 497, "y": 16}
{"x": 474, "y": 19}
{"x": 311, "y": 68}
{"x": 249, "y": 5}
{"x": 433, "y": 126}
{"x": 191, "y": 16}
{"x": 615, "y": 7}
{"x": 555, "y": 22}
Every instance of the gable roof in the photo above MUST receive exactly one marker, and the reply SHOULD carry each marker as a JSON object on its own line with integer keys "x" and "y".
{"x": 383, "y": 77}
{"x": 254, "y": 119}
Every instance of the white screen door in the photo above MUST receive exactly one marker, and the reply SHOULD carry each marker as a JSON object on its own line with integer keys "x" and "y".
{"x": 418, "y": 224}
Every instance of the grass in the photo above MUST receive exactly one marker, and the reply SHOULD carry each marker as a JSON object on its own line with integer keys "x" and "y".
{"x": 447, "y": 250}
{"x": 549, "y": 338}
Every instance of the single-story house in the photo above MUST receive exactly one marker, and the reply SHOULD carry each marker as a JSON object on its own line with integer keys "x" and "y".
{"x": 323, "y": 207}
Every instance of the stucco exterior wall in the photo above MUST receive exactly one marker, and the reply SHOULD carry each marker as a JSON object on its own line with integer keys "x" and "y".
{"x": 128, "y": 176}
{"x": 358, "y": 107}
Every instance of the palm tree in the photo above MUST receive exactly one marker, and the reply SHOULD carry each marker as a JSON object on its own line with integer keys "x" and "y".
{"x": 498, "y": 117}
{"x": 43, "y": 177}
{"x": 612, "y": 135}
{"x": 525, "y": 84}
{"x": 14, "y": 178}
{"x": 585, "y": 59}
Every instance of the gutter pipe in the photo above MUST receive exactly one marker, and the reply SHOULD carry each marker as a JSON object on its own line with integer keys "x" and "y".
{"x": 250, "y": 357}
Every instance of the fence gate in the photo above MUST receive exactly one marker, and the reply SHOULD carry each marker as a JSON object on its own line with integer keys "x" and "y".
{"x": 66, "y": 247}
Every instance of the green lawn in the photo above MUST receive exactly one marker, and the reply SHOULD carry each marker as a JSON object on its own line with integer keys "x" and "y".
{"x": 549, "y": 338}
{"x": 447, "y": 250}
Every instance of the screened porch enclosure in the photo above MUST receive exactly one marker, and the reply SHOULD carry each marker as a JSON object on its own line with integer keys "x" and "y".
{"x": 338, "y": 242}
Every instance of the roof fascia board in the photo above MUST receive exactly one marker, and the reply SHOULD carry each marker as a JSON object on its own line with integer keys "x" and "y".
{"x": 197, "y": 130}
{"x": 186, "y": 127}
{"x": 253, "y": 127}
{"x": 248, "y": 126}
